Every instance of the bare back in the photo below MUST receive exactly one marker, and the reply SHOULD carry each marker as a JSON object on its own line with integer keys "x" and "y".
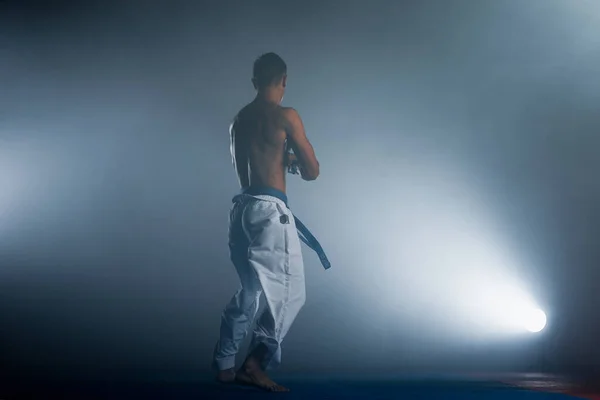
{"x": 258, "y": 141}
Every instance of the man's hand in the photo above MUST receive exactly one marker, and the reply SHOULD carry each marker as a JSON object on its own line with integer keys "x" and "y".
{"x": 292, "y": 164}
{"x": 290, "y": 159}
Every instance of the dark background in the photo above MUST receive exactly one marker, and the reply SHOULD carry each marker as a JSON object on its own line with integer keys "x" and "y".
{"x": 456, "y": 138}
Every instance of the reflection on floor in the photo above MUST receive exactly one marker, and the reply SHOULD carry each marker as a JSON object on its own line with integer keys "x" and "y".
{"x": 455, "y": 386}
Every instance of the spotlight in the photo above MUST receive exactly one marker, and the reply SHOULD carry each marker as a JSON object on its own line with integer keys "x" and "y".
{"x": 536, "y": 321}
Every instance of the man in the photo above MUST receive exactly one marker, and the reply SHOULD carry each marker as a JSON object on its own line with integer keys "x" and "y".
{"x": 263, "y": 241}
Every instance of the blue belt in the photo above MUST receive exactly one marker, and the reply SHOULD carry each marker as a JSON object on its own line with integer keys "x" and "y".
{"x": 303, "y": 231}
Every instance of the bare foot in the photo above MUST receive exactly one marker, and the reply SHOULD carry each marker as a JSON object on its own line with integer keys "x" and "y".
{"x": 226, "y": 376}
{"x": 257, "y": 377}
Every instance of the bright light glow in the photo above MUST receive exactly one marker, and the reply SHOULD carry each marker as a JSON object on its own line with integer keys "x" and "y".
{"x": 505, "y": 308}
{"x": 449, "y": 258}
{"x": 536, "y": 321}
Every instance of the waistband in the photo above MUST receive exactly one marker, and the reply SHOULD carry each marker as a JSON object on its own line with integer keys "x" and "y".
{"x": 265, "y": 191}
{"x": 303, "y": 232}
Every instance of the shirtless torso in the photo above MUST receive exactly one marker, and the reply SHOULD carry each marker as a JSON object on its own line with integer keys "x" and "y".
{"x": 261, "y": 135}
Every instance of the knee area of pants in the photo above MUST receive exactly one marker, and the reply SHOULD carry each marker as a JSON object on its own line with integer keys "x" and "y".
{"x": 250, "y": 296}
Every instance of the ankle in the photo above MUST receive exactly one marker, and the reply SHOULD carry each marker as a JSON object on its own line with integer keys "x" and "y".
{"x": 227, "y": 375}
{"x": 228, "y": 371}
{"x": 250, "y": 365}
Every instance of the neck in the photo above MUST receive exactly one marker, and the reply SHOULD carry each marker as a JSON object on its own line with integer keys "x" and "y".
{"x": 269, "y": 95}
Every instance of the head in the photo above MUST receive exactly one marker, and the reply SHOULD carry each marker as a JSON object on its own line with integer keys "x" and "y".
{"x": 270, "y": 76}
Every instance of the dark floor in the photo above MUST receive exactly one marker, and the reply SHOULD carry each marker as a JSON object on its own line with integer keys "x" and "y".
{"x": 515, "y": 386}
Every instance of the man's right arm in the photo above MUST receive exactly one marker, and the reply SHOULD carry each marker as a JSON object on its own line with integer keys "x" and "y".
{"x": 309, "y": 165}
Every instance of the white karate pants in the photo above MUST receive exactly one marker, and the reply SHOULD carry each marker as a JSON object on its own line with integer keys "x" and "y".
{"x": 265, "y": 250}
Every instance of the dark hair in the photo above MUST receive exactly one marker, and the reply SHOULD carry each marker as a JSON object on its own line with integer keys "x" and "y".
{"x": 268, "y": 69}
